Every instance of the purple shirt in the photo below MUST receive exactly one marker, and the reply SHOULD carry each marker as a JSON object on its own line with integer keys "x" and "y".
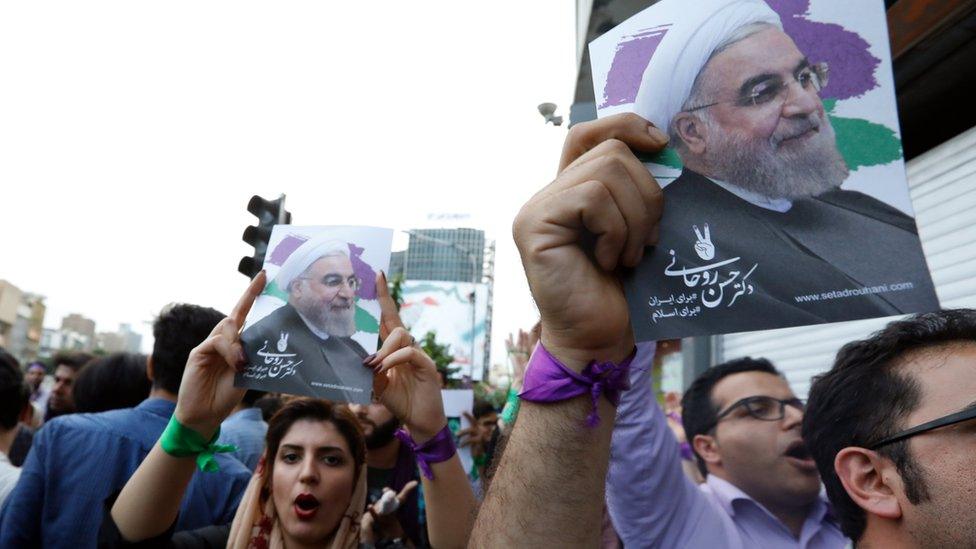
{"x": 653, "y": 504}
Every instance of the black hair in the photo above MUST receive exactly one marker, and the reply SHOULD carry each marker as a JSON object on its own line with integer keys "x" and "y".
{"x": 73, "y": 360}
{"x": 177, "y": 330}
{"x": 111, "y": 382}
{"x": 698, "y": 412}
{"x": 12, "y": 394}
{"x": 481, "y": 408}
{"x": 269, "y": 405}
{"x": 252, "y": 396}
{"x": 866, "y": 397}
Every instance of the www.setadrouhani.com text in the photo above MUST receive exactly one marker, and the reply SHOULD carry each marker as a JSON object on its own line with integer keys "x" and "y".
{"x": 853, "y": 292}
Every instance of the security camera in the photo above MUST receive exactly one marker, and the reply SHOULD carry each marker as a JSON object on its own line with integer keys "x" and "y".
{"x": 547, "y": 110}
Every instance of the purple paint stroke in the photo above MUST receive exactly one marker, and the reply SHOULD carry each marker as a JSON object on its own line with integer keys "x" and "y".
{"x": 629, "y": 62}
{"x": 364, "y": 272}
{"x": 847, "y": 54}
{"x": 285, "y": 248}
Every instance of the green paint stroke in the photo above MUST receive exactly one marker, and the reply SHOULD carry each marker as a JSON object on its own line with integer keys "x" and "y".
{"x": 365, "y": 322}
{"x": 667, "y": 157}
{"x": 863, "y": 143}
{"x": 273, "y": 290}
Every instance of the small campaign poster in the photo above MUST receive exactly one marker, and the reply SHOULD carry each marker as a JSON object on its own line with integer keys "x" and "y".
{"x": 785, "y": 197}
{"x": 458, "y": 407}
{"x": 318, "y": 317}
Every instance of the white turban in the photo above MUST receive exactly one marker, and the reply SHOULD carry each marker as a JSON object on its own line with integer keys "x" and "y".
{"x": 695, "y": 33}
{"x": 309, "y": 252}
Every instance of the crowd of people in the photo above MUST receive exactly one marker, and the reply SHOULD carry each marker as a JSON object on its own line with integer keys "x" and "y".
{"x": 128, "y": 450}
{"x": 164, "y": 450}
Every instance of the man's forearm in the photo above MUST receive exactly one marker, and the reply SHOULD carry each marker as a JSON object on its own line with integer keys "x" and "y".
{"x": 549, "y": 487}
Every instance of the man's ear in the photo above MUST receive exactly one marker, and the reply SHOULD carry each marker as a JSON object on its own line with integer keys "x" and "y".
{"x": 150, "y": 373}
{"x": 691, "y": 130}
{"x": 707, "y": 447}
{"x": 871, "y": 481}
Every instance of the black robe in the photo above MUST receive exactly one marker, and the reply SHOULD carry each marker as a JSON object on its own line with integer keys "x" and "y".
{"x": 842, "y": 255}
{"x": 323, "y": 368}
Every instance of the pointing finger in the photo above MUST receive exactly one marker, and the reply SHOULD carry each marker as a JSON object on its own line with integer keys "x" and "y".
{"x": 254, "y": 289}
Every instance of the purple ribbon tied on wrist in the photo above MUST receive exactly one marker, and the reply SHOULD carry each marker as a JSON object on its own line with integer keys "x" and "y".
{"x": 549, "y": 380}
{"x": 437, "y": 449}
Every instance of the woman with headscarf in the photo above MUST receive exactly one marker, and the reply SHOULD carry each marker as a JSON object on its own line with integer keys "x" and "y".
{"x": 309, "y": 490}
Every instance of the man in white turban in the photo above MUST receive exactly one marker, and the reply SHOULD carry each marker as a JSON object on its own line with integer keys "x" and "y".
{"x": 312, "y": 329}
{"x": 761, "y": 182}
{"x": 741, "y": 104}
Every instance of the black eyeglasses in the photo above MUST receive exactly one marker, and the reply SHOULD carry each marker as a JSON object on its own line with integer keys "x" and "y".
{"x": 764, "y": 408}
{"x": 944, "y": 421}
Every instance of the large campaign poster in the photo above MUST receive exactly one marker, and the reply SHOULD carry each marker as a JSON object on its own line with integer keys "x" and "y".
{"x": 457, "y": 312}
{"x": 785, "y": 198}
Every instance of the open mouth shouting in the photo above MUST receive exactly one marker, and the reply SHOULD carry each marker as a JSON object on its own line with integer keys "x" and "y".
{"x": 798, "y": 454}
{"x": 306, "y": 505}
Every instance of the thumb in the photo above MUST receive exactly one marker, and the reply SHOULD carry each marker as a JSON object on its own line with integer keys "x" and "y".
{"x": 637, "y": 133}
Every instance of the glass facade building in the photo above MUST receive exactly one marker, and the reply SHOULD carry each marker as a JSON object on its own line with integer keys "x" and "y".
{"x": 453, "y": 255}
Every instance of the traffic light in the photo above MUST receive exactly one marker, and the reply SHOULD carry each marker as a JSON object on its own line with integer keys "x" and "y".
{"x": 269, "y": 214}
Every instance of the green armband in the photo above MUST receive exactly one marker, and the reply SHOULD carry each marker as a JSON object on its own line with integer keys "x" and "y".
{"x": 180, "y": 441}
{"x": 510, "y": 411}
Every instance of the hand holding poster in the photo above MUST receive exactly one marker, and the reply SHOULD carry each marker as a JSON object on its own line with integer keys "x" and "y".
{"x": 318, "y": 317}
{"x": 784, "y": 183}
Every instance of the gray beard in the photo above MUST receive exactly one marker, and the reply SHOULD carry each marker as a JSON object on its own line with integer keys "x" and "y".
{"x": 791, "y": 171}
{"x": 340, "y": 323}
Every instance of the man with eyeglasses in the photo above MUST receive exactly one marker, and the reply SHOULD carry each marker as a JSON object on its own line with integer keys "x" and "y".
{"x": 762, "y": 177}
{"x": 316, "y": 324}
{"x": 761, "y": 487}
{"x": 892, "y": 428}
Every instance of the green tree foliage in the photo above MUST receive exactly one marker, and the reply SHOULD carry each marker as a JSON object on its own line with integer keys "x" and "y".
{"x": 396, "y": 290}
{"x": 438, "y": 353}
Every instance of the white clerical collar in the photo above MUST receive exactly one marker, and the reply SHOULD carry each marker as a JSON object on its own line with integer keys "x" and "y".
{"x": 316, "y": 331}
{"x": 781, "y": 205}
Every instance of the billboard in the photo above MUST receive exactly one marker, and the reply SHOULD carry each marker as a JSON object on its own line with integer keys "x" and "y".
{"x": 446, "y": 308}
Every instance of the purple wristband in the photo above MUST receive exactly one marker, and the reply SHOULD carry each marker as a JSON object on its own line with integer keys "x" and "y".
{"x": 686, "y": 453}
{"x": 437, "y": 449}
{"x": 548, "y": 380}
